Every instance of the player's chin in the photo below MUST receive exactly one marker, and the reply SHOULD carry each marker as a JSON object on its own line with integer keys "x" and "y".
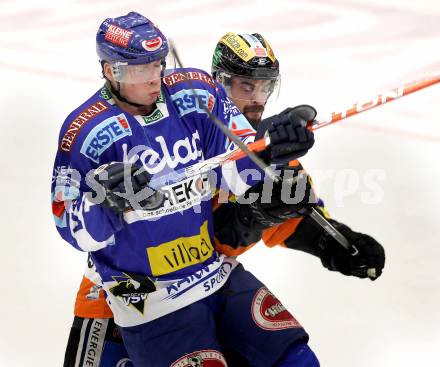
{"x": 254, "y": 117}
{"x": 146, "y": 100}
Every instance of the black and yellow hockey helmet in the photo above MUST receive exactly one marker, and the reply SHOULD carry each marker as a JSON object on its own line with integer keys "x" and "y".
{"x": 248, "y": 55}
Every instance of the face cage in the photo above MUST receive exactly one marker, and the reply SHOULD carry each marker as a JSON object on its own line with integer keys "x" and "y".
{"x": 270, "y": 94}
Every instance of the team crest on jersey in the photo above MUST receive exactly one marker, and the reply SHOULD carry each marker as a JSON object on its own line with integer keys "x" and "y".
{"x": 202, "y": 358}
{"x": 133, "y": 290}
{"x": 269, "y": 313}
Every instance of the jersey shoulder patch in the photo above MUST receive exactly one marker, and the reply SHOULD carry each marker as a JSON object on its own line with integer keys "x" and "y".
{"x": 78, "y": 119}
{"x": 192, "y": 90}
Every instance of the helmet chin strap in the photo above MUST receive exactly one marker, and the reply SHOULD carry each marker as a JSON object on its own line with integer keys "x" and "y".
{"x": 117, "y": 93}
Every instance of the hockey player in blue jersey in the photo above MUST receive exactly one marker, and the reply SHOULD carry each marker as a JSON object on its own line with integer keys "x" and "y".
{"x": 173, "y": 297}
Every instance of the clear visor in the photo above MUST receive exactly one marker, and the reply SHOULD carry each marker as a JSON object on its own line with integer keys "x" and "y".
{"x": 143, "y": 73}
{"x": 250, "y": 89}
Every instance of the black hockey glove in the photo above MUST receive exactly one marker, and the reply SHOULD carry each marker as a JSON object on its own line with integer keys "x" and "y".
{"x": 234, "y": 226}
{"x": 289, "y": 137}
{"x": 279, "y": 201}
{"x": 121, "y": 186}
{"x": 241, "y": 224}
{"x": 334, "y": 257}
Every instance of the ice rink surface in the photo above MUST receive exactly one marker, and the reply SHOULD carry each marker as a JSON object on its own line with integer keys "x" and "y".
{"x": 378, "y": 172}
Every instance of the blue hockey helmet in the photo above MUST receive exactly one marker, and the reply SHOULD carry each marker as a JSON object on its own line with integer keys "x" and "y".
{"x": 130, "y": 39}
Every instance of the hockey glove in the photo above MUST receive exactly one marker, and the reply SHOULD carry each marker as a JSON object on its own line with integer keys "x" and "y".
{"x": 290, "y": 198}
{"x": 234, "y": 225}
{"x": 289, "y": 137}
{"x": 240, "y": 224}
{"x": 122, "y": 186}
{"x": 334, "y": 257}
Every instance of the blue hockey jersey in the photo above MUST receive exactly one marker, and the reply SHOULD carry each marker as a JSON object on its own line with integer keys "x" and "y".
{"x": 151, "y": 262}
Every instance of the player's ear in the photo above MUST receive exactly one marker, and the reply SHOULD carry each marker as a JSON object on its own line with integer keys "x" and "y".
{"x": 107, "y": 71}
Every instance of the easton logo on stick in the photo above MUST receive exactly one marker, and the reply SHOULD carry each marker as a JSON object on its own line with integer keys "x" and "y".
{"x": 378, "y": 100}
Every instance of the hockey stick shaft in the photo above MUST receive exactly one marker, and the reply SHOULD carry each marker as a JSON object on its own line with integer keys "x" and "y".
{"x": 261, "y": 144}
{"x": 334, "y": 117}
{"x": 339, "y": 237}
{"x": 206, "y": 165}
{"x": 376, "y": 101}
{"x": 324, "y": 223}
